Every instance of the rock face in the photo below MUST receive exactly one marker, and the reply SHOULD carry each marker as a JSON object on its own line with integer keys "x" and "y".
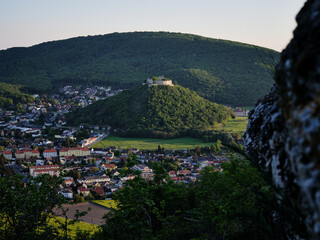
{"x": 283, "y": 133}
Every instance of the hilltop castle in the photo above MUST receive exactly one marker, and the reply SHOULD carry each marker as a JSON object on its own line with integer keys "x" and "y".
{"x": 161, "y": 80}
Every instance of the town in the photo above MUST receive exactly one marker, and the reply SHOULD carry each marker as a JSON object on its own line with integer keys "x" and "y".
{"x": 37, "y": 141}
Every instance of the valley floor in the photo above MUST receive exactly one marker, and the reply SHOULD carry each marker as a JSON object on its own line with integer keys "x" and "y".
{"x": 151, "y": 143}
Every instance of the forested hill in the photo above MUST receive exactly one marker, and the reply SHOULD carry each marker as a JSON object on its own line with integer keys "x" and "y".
{"x": 11, "y": 98}
{"x": 158, "y": 111}
{"x": 221, "y": 71}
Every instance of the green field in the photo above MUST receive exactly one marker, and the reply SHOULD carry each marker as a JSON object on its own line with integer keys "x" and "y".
{"x": 237, "y": 125}
{"x": 112, "y": 204}
{"x": 56, "y": 222}
{"x": 151, "y": 143}
{"x": 72, "y": 229}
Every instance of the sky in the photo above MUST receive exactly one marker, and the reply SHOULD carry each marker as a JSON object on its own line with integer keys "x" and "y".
{"x": 266, "y": 23}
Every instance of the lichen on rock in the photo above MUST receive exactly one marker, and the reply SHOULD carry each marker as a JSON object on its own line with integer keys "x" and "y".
{"x": 283, "y": 134}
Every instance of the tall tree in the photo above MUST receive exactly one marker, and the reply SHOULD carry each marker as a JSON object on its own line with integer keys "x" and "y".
{"x": 26, "y": 207}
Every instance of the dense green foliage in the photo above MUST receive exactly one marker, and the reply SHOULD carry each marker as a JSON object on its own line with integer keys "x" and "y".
{"x": 11, "y": 98}
{"x": 222, "y": 71}
{"x": 158, "y": 111}
{"x": 25, "y": 207}
{"x": 234, "y": 204}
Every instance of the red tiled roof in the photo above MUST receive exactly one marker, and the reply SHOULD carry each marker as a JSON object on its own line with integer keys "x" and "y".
{"x": 44, "y": 170}
{"x": 50, "y": 150}
{"x": 35, "y": 151}
{"x": 45, "y": 167}
{"x": 78, "y": 148}
{"x": 73, "y": 148}
{"x": 99, "y": 190}
{"x": 110, "y": 165}
{"x": 176, "y": 178}
{"x": 83, "y": 189}
{"x": 5, "y": 152}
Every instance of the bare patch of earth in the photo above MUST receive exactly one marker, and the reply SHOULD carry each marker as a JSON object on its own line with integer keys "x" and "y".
{"x": 93, "y": 216}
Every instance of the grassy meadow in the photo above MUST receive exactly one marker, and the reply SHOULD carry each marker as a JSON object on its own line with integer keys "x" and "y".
{"x": 151, "y": 143}
{"x": 237, "y": 125}
{"x": 112, "y": 204}
{"x": 72, "y": 228}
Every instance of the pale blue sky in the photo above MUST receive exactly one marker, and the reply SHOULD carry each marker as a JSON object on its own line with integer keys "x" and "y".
{"x": 267, "y": 23}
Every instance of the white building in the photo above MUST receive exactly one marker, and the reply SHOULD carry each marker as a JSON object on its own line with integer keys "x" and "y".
{"x": 50, "y": 153}
{"x": 67, "y": 193}
{"x": 39, "y": 162}
{"x": 52, "y": 170}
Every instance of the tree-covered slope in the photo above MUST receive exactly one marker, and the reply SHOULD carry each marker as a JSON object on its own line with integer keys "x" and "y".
{"x": 158, "y": 111}
{"x": 222, "y": 71}
{"x": 11, "y": 98}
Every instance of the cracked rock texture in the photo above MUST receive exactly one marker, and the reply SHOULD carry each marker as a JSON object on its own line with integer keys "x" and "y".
{"x": 283, "y": 133}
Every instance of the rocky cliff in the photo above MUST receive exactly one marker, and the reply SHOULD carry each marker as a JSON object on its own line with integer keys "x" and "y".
{"x": 283, "y": 133}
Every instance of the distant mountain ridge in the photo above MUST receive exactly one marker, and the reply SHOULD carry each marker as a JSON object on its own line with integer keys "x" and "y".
{"x": 156, "y": 111}
{"x": 222, "y": 71}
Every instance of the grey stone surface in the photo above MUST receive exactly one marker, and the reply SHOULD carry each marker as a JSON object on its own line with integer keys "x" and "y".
{"x": 283, "y": 133}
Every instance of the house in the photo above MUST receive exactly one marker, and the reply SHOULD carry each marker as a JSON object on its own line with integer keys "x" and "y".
{"x": 35, "y": 153}
{"x": 127, "y": 178}
{"x": 172, "y": 174}
{"x": 52, "y": 170}
{"x": 84, "y": 191}
{"x": 78, "y": 152}
{"x": 19, "y": 154}
{"x": 183, "y": 172}
{"x": 67, "y": 193}
{"x": 39, "y": 162}
{"x": 99, "y": 190}
{"x": 7, "y": 154}
{"x": 92, "y": 179}
{"x": 50, "y": 153}
{"x": 147, "y": 175}
{"x": 68, "y": 181}
{"x": 27, "y": 153}
{"x": 110, "y": 155}
{"x": 135, "y": 150}
{"x": 177, "y": 179}
{"x": 146, "y": 172}
{"x": 142, "y": 168}
{"x": 108, "y": 166}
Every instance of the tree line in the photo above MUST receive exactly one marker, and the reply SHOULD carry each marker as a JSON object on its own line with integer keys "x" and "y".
{"x": 236, "y": 203}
